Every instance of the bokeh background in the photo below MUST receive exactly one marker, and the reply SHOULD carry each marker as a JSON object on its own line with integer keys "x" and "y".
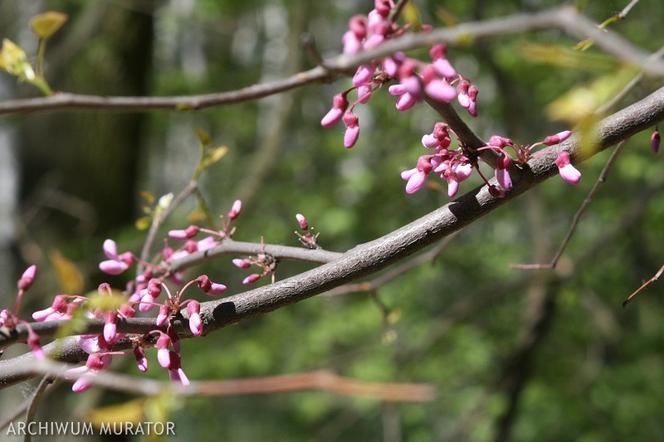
{"x": 513, "y": 355}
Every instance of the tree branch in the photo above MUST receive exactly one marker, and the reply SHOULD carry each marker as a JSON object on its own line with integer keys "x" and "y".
{"x": 566, "y": 19}
{"x": 375, "y": 255}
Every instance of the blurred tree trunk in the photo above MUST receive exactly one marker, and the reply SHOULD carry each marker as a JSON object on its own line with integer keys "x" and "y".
{"x": 95, "y": 154}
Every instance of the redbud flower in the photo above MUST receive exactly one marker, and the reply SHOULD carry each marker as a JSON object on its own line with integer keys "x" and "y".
{"x": 162, "y": 316}
{"x": 251, "y": 278}
{"x": 241, "y": 263}
{"x": 163, "y": 354}
{"x": 436, "y": 88}
{"x": 302, "y": 221}
{"x": 175, "y": 369}
{"x": 654, "y": 141}
{"x": 557, "y": 138}
{"x": 110, "y": 326}
{"x": 34, "y": 344}
{"x": 113, "y": 267}
{"x": 183, "y": 234}
{"x": 502, "y": 173}
{"x": 441, "y": 63}
{"x": 334, "y": 115}
{"x": 363, "y": 75}
{"x": 195, "y": 322}
{"x": 352, "y": 129}
{"x": 567, "y": 172}
{"x": 235, "y": 210}
{"x": 27, "y": 278}
{"x": 141, "y": 360}
{"x": 210, "y": 287}
{"x": 110, "y": 249}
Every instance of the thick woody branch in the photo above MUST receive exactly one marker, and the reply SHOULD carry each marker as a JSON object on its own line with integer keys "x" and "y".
{"x": 375, "y": 255}
{"x": 566, "y": 19}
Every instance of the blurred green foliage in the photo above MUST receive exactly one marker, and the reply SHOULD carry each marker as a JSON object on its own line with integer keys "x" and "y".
{"x": 598, "y": 372}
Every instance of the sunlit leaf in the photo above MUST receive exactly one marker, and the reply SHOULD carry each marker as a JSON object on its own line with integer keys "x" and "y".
{"x": 566, "y": 57}
{"x": 412, "y": 15}
{"x": 48, "y": 23}
{"x": 14, "y": 61}
{"x": 147, "y": 196}
{"x": 131, "y": 411}
{"x": 143, "y": 223}
{"x": 70, "y": 278}
{"x": 105, "y": 302}
{"x": 212, "y": 156}
{"x": 203, "y": 136}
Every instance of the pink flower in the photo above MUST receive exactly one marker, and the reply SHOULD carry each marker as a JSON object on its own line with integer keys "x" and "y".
{"x": 195, "y": 322}
{"x": 567, "y": 172}
{"x": 251, "y": 278}
{"x": 163, "y": 354}
{"x": 302, "y": 221}
{"x": 175, "y": 369}
{"x": 236, "y": 208}
{"x": 141, "y": 360}
{"x": 363, "y": 75}
{"x": 437, "y": 88}
{"x": 241, "y": 263}
{"x": 209, "y": 287}
{"x": 502, "y": 172}
{"x": 110, "y": 326}
{"x": 110, "y": 249}
{"x": 27, "y": 278}
{"x": 352, "y": 44}
{"x": 557, "y": 138}
{"x": 113, "y": 267}
{"x": 654, "y": 141}
{"x": 162, "y": 316}
{"x": 57, "y": 311}
{"x": 441, "y": 63}
{"x": 352, "y": 129}
{"x": 334, "y": 115}
{"x": 183, "y": 234}
{"x": 34, "y": 344}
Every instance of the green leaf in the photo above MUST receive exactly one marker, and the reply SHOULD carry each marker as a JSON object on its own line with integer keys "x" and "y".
{"x": 203, "y": 136}
{"x": 46, "y": 24}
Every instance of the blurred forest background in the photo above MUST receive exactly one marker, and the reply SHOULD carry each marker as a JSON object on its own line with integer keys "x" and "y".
{"x": 515, "y": 355}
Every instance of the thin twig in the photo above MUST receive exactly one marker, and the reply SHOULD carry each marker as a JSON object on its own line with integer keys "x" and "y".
{"x": 159, "y": 219}
{"x": 34, "y": 403}
{"x": 322, "y": 380}
{"x": 566, "y": 19}
{"x": 577, "y": 216}
{"x": 643, "y": 286}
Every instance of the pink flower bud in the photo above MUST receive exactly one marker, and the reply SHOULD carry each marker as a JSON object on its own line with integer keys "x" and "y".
{"x": 241, "y": 263}
{"x": 27, "y": 278}
{"x": 110, "y": 249}
{"x": 216, "y": 289}
{"x": 34, "y": 344}
{"x": 352, "y": 129}
{"x": 82, "y": 384}
{"x": 251, "y": 278}
{"x": 334, "y": 115}
{"x": 110, "y": 327}
{"x": 440, "y": 90}
{"x": 195, "y": 322}
{"x": 405, "y": 102}
{"x": 352, "y": 44}
{"x": 141, "y": 360}
{"x": 236, "y": 208}
{"x": 363, "y": 75}
{"x": 557, "y": 138}
{"x": 567, "y": 172}
{"x": 416, "y": 182}
{"x": 113, "y": 267}
{"x": 178, "y": 234}
{"x": 654, "y": 142}
{"x": 162, "y": 316}
{"x": 302, "y": 221}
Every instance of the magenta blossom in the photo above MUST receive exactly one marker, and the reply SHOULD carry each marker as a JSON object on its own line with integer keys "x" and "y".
{"x": 567, "y": 172}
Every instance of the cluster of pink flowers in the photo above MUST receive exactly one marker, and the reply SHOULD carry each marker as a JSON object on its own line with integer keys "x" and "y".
{"x": 415, "y": 79}
{"x": 142, "y": 295}
{"x": 454, "y": 165}
{"x": 148, "y": 291}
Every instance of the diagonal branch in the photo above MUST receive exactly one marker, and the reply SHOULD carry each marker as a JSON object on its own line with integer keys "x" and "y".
{"x": 566, "y": 19}
{"x": 375, "y": 255}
